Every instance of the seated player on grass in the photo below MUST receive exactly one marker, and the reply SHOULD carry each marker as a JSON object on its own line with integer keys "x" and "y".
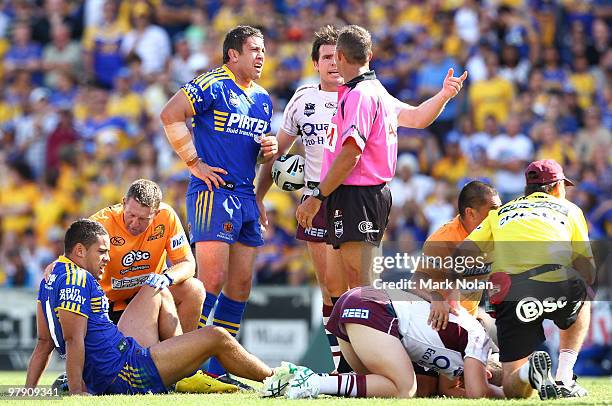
{"x": 145, "y": 352}
{"x": 381, "y": 340}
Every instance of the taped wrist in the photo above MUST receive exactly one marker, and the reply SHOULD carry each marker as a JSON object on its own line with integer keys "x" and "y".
{"x": 180, "y": 139}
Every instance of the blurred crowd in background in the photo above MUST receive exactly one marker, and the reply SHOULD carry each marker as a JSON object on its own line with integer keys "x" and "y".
{"x": 82, "y": 84}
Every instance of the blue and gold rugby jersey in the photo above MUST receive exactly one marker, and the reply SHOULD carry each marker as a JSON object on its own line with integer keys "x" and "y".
{"x": 228, "y": 122}
{"x": 74, "y": 289}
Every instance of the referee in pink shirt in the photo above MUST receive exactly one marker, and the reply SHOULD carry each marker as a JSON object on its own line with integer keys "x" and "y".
{"x": 360, "y": 156}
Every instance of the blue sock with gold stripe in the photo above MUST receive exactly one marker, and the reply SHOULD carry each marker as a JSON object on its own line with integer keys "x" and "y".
{"x": 207, "y": 307}
{"x": 227, "y": 315}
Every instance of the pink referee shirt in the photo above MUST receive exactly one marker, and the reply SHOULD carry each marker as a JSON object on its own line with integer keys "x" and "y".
{"x": 368, "y": 114}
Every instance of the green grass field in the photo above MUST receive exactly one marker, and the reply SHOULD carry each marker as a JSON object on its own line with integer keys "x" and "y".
{"x": 600, "y": 393}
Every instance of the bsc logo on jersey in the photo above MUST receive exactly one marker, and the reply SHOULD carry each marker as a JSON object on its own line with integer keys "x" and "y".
{"x": 134, "y": 256}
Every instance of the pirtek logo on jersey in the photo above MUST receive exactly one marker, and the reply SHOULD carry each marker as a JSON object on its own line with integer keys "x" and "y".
{"x": 225, "y": 121}
{"x": 135, "y": 256}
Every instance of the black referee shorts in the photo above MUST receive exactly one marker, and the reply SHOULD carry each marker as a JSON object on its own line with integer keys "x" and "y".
{"x": 358, "y": 213}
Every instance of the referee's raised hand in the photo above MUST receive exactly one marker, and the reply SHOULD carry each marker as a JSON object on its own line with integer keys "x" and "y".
{"x": 452, "y": 85}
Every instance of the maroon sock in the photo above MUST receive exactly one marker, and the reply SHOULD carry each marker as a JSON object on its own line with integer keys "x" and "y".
{"x": 331, "y": 339}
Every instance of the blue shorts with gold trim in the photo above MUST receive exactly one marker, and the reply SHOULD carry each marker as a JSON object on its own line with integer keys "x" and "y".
{"x": 223, "y": 216}
{"x": 138, "y": 375}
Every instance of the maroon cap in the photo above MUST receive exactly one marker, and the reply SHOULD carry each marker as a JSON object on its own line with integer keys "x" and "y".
{"x": 544, "y": 172}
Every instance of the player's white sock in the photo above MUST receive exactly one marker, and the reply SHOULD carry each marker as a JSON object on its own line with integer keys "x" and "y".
{"x": 347, "y": 385}
{"x": 524, "y": 372}
{"x": 565, "y": 369}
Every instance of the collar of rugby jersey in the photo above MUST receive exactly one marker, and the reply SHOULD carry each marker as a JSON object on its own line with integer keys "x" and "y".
{"x": 229, "y": 73}
{"x": 370, "y": 75}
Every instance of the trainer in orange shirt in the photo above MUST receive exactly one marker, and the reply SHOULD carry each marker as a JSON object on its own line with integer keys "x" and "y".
{"x": 476, "y": 199}
{"x": 144, "y": 232}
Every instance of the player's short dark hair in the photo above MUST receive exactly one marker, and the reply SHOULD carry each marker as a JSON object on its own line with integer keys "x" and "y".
{"x": 355, "y": 42}
{"x": 237, "y": 37}
{"x": 145, "y": 192}
{"x": 84, "y": 231}
{"x": 326, "y": 35}
{"x": 542, "y": 188}
{"x": 474, "y": 195}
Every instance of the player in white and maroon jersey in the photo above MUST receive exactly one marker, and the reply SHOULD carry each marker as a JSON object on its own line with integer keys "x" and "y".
{"x": 308, "y": 116}
{"x": 360, "y": 156}
{"x": 385, "y": 341}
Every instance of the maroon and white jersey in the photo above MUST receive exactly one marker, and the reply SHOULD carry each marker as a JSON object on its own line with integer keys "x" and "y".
{"x": 308, "y": 115}
{"x": 444, "y": 350}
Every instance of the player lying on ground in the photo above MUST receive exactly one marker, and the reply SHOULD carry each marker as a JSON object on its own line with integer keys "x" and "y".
{"x": 381, "y": 340}
{"x": 102, "y": 358}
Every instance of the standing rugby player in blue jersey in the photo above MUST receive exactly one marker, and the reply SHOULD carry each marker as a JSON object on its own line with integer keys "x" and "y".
{"x": 231, "y": 121}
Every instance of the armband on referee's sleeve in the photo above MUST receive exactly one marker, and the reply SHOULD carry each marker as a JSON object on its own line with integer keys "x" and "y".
{"x": 180, "y": 138}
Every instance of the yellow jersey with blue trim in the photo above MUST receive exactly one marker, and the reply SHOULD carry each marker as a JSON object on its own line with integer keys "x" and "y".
{"x": 532, "y": 231}
{"x": 228, "y": 123}
{"x": 73, "y": 289}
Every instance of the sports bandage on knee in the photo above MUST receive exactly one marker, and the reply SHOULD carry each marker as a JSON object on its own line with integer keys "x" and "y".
{"x": 180, "y": 138}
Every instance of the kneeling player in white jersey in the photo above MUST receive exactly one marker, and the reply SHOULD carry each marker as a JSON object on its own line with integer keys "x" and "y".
{"x": 382, "y": 340}
{"x": 308, "y": 115}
